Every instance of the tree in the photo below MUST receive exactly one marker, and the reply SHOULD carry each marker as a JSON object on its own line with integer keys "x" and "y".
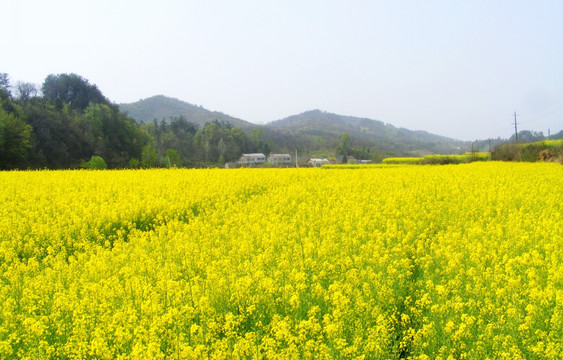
{"x": 241, "y": 140}
{"x": 206, "y": 137}
{"x": 134, "y": 163}
{"x": 179, "y": 136}
{"x": 5, "y": 93}
{"x": 206, "y": 147}
{"x": 221, "y": 146}
{"x": 181, "y": 125}
{"x": 172, "y": 157}
{"x": 73, "y": 90}
{"x": 14, "y": 140}
{"x": 95, "y": 163}
{"x": 4, "y": 85}
{"x": 57, "y": 140}
{"x": 345, "y": 147}
{"x": 148, "y": 156}
{"x": 111, "y": 134}
{"x": 25, "y": 91}
{"x": 257, "y": 135}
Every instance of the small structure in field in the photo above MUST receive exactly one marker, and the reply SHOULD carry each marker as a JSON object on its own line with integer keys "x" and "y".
{"x": 252, "y": 159}
{"x": 279, "y": 159}
{"x": 318, "y": 162}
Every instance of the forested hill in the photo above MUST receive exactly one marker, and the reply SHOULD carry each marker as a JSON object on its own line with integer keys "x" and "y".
{"x": 162, "y": 107}
{"x": 64, "y": 124}
{"x": 314, "y": 130}
{"x": 69, "y": 123}
{"x": 385, "y": 137}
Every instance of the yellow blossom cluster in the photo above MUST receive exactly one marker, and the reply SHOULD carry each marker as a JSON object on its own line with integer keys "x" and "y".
{"x": 388, "y": 262}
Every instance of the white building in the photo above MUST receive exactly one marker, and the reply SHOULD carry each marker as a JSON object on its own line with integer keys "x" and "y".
{"x": 279, "y": 159}
{"x": 252, "y": 159}
{"x": 317, "y": 162}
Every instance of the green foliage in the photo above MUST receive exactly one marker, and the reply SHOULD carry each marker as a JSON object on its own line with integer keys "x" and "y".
{"x": 73, "y": 90}
{"x": 4, "y": 86}
{"x": 95, "y": 163}
{"x": 345, "y": 147}
{"x": 73, "y": 120}
{"x": 259, "y": 137}
{"x": 439, "y": 159}
{"x": 547, "y": 150}
{"x": 219, "y": 142}
{"x": 454, "y": 159}
{"x": 361, "y": 151}
{"x": 62, "y": 136}
{"x": 506, "y": 152}
{"x": 25, "y": 91}
{"x": 172, "y": 157}
{"x": 14, "y": 140}
{"x": 303, "y": 131}
{"x": 214, "y": 144}
{"x": 148, "y": 156}
{"x": 134, "y": 163}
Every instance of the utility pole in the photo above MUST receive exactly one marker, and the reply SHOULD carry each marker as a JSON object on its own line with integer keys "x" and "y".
{"x": 548, "y": 134}
{"x": 296, "y": 166}
{"x": 515, "y": 127}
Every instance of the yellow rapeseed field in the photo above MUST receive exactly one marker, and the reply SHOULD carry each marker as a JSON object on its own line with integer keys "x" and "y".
{"x": 420, "y": 262}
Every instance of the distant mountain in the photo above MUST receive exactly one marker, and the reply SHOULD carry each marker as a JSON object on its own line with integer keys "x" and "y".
{"x": 161, "y": 107}
{"x": 385, "y": 137}
{"x": 313, "y": 130}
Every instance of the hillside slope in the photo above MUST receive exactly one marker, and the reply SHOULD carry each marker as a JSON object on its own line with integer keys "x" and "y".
{"x": 161, "y": 107}
{"x": 311, "y": 131}
{"x": 386, "y": 137}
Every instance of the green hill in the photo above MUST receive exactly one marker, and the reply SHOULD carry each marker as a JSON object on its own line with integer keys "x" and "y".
{"x": 161, "y": 107}
{"x": 312, "y": 131}
{"x": 387, "y": 138}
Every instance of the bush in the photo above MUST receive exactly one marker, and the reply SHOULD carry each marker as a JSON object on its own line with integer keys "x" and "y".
{"x": 530, "y": 152}
{"x": 507, "y": 152}
{"x": 134, "y": 163}
{"x": 438, "y": 159}
{"x": 95, "y": 163}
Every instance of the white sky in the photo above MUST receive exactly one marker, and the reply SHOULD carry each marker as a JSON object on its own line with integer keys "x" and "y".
{"x": 451, "y": 67}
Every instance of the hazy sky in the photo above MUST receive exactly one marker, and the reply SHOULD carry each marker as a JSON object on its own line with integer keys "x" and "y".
{"x": 457, "y": 68}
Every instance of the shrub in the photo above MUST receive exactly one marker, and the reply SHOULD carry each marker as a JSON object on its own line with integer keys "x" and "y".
{"x": 531, "y": 152}
{"x": 506, "y": 152}
{"x": 438, "y": 159}
{"x": 95, "y": 163}
{"x": 455, "y": 159}
{"x": 134, "y": 163}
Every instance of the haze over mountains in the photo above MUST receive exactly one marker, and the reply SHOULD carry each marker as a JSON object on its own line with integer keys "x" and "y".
{"x": 314, "y": 125}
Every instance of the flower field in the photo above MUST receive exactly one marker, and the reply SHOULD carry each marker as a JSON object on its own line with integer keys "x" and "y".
{"x": 433, "y": 262}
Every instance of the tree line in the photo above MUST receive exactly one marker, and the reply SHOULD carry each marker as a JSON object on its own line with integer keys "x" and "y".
{"x": 68, "y": 123}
